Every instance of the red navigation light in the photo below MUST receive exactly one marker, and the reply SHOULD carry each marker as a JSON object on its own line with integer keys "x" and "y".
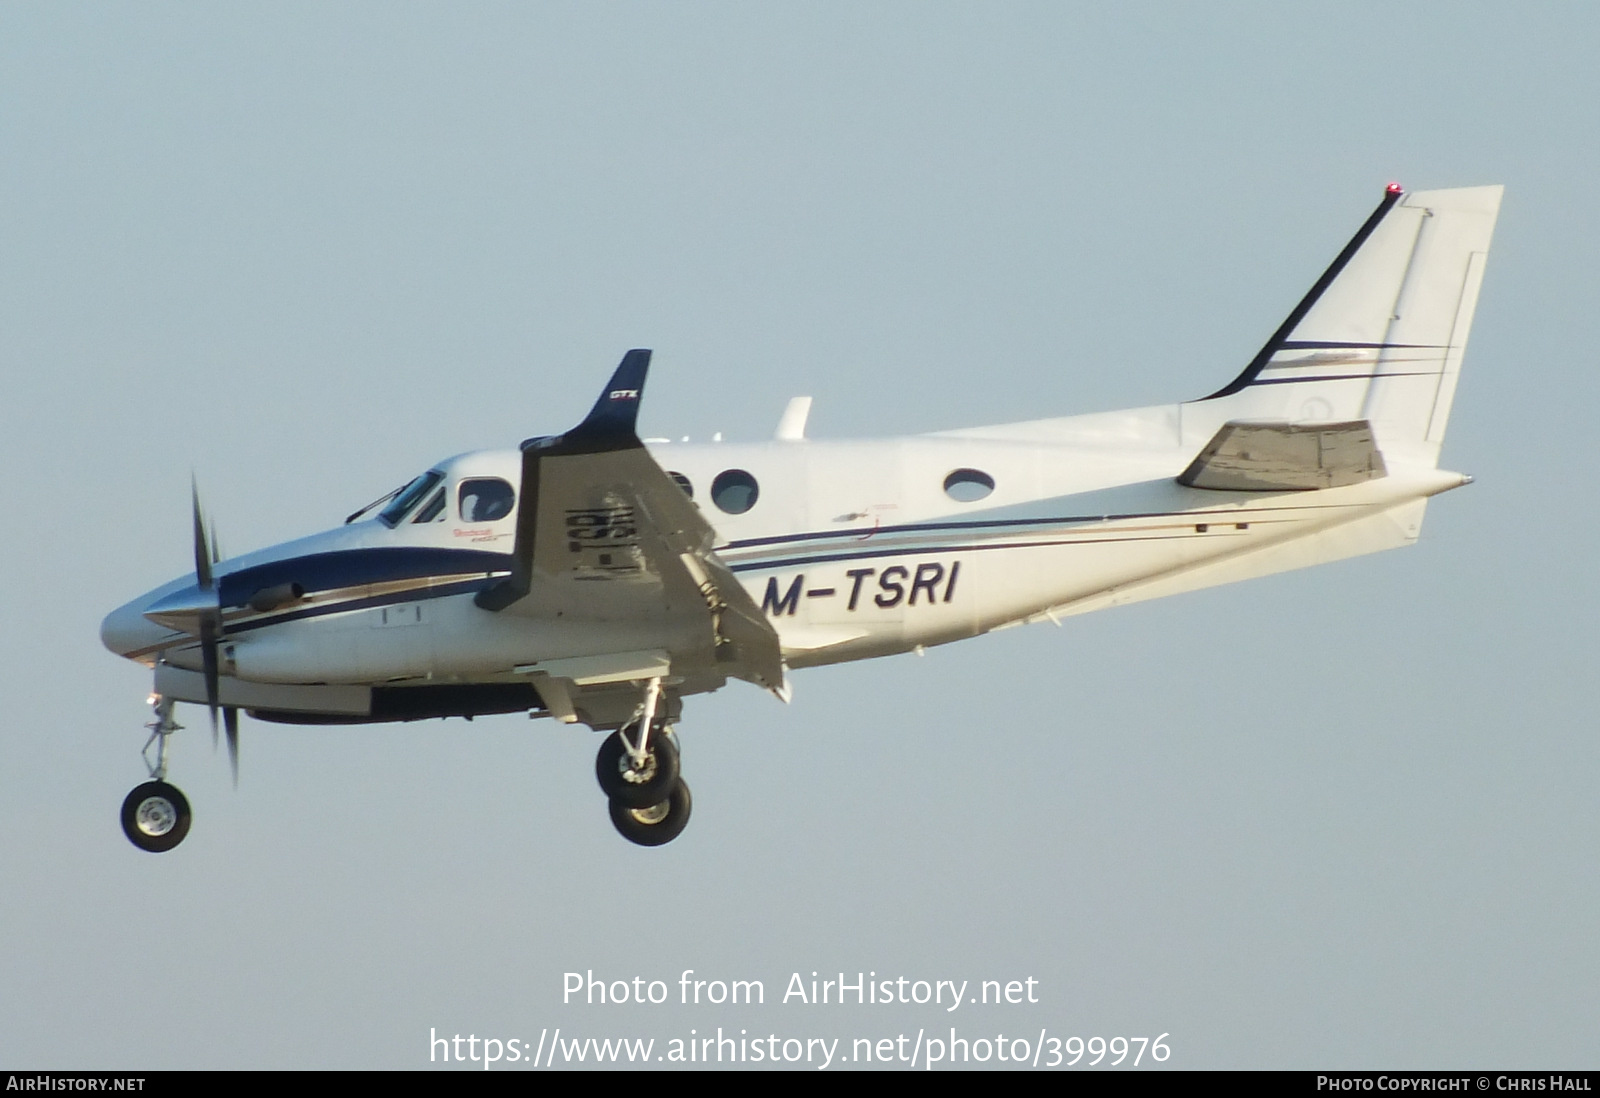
{"x": 1394, "y": 188}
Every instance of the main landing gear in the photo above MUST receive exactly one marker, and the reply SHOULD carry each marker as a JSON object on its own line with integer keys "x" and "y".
{"x": 155, "y": 816}
{"x": 637, "y": 768}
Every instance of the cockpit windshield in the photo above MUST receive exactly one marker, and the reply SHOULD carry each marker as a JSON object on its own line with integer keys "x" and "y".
{"x": 408, "y": 498}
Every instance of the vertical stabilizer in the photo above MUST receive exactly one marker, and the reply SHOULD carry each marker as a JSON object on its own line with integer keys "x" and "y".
{"x": 1381, "y": 335}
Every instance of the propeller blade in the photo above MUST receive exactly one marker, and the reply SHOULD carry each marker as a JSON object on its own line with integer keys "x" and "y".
{"x": 205, "y": 555}
{"x": 208, "y": 656}
{"x": 230, "y": 720}
{"x": 202, "y": 552}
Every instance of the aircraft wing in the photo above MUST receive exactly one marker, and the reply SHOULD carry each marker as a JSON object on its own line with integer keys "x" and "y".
{"x": 1265, "y": 457}
{"x": 603, "y": 534}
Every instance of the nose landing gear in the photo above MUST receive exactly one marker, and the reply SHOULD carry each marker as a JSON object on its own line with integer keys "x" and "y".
{"x": 155, "y": 815}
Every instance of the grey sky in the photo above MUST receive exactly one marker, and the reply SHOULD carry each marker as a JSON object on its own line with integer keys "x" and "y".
{"x": 1338, "y": 818}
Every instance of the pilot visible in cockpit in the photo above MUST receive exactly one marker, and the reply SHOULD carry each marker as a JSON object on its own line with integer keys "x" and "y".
{"x": 486, "y": 499}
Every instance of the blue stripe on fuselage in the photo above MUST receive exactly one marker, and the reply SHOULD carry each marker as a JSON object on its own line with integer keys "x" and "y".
{"x": 415, "y": 594}
{"x": 354, "y": 567}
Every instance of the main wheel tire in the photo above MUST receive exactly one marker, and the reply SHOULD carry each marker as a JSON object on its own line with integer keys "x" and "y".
{"x": 155, "y": 816}
{"x": 613, "y": 767}
{"x": 658, "y": 824}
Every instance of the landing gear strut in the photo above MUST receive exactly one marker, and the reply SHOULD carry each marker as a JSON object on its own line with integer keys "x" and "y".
{"x": 155, "y": 815}
{"x": 638, "y": 771}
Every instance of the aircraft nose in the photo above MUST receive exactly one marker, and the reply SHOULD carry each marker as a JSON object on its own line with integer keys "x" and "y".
{"x": 127, "y": 632}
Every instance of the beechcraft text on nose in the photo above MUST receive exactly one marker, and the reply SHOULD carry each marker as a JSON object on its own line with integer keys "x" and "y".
{"x": 848, "y": 989}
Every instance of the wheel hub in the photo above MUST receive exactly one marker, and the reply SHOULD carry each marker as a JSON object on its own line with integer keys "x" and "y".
{"x": 155, "y": 816}
{"x": 654, "y": 814}
{"x": 637, "y": 775}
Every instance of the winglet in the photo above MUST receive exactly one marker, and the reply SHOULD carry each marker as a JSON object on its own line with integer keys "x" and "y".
{"x": 610, "y": 423}
{"x": 609, "y": 426}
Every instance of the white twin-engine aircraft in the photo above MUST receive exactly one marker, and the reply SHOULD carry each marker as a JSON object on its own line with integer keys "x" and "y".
{"x": 597, "y": 579}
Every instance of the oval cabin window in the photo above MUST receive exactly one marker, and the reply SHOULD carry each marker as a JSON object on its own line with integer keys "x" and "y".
{"x": 968, "y": 485}
{"x": 734, "y": 491}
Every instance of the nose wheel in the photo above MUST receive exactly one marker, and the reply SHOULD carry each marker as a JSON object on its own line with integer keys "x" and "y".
{"x": 155, "y": 816}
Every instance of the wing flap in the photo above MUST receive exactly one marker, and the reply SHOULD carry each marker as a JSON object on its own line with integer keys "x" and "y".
{"x": 1277, "y": 457}
{"x": 608, "y": 668}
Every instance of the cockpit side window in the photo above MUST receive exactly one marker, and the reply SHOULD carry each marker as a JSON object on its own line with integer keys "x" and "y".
{"x": 393, "y": 514}
{"x": 433, "y": 510}
{"x": 485, "y": 499}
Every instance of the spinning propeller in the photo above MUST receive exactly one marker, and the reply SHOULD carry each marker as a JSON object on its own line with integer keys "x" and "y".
{"x": 197, "y": 611}
{"x": 209, "y": 622}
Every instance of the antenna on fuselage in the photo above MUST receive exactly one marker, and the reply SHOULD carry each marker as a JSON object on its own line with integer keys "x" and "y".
{"x": 792, "y": 427}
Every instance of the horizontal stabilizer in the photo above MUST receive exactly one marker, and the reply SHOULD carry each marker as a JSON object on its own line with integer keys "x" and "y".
{"x": 1275, "y": 457}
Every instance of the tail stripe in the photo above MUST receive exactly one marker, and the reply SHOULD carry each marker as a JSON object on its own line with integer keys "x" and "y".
{"x": 1280, "y": 338}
